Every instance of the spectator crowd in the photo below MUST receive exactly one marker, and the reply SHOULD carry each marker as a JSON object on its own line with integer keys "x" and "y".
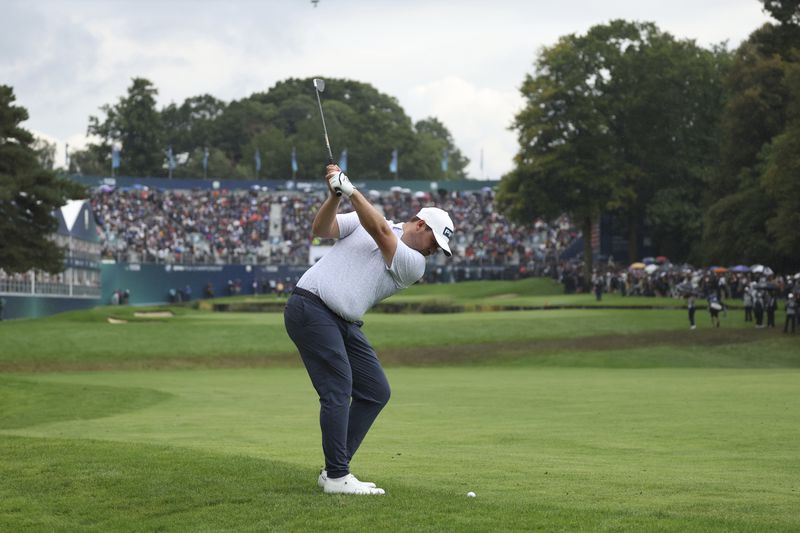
{"x": 235, "y": 227}
{"x": 756, "y": 289}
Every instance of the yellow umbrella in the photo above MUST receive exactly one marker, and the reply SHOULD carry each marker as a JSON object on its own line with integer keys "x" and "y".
{"x": 637, "y": 266}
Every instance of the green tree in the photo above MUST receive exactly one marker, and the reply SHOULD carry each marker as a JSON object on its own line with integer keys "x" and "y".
{"x": 45, "y": 153}
{"x": 236, "y": 126}
{"x": 435, "y": 142}
{"x": 188, "y": 127}
{"x": 360, "y": 118}
{"x": 667, "y": 99}
{"x": 780, "y": 180}
{"x": 219, "y": 166}
{"x": 787, "y": 12}
{"x": 135, "y": 123}
{"x": 87, "y": 162}
{"x": 368, "y": 123}
{"x": 751, "y": 196}
{"x": 735, "y": 228}
{"x": 28, "y": 196}
{"x": 565, "y": 159}
{"x": 622, "y": 119}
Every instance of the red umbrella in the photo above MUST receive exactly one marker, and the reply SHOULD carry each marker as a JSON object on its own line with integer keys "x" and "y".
{"x": 661, "y": 259}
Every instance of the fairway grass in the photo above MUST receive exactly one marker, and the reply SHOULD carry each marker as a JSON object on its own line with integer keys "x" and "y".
{"x": 549, "y": 448}
{"x": 559, "y": 420}
{"x": 85, "y": 340}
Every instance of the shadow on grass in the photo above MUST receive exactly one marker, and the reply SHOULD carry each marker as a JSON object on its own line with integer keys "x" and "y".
{"x": 29, "y": 403}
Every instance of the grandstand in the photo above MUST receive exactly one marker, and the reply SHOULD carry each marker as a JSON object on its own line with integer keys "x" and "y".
{"x": 161, "y": 240}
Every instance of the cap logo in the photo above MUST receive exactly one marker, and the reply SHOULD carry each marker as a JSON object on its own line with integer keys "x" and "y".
{"x": 448, "y": 232}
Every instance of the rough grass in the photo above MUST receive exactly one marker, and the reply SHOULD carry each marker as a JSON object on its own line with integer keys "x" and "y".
{"x": 84, "y": 340}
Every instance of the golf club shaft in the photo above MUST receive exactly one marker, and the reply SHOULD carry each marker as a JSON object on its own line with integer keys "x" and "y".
{"x": 327, "y": 142}
{"x": 325, "y": 129}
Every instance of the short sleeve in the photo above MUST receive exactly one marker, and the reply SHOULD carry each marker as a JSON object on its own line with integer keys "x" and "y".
{"x": 347, "y": 223}
{"x": 408, "y": 265}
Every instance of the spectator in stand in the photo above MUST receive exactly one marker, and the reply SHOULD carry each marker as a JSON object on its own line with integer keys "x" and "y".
{"x": 219, "y": 227}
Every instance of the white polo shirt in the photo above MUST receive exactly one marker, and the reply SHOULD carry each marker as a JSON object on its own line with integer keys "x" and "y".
{"x": 352, "y": 276}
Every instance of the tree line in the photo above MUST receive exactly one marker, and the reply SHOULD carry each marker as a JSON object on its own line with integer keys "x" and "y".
{"x": 699, "y": 147}
{"x": 280, "y": 128}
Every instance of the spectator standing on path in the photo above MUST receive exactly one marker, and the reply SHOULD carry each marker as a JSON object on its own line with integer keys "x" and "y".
{"x": 598, "y": 287}
{"x": 758, "y": 308}
{"x": 791, "y": 313}
{"x": 690, "y": 305}
{"x": 771, "y": 307}
{"x": 371, "y": 260}
{"x": 747, "y": 300}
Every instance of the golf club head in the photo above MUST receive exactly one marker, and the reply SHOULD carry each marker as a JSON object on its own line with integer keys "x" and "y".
{"x": 319, "y": 84}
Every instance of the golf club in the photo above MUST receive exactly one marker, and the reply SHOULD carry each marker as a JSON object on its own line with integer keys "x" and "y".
{"x": 319, "y": 86}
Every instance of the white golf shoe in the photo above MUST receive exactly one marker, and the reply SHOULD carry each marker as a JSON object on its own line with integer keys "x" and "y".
{"x": 323, "y": 475}
{"x": 349, "y": 485}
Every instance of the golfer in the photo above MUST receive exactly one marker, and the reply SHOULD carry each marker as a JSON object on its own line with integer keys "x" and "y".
{"x": 371, "y": 260}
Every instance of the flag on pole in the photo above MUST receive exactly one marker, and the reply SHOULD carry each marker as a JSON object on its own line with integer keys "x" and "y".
{"x": 343, "y": 160}
{"x": 66, "y": 156}
{"x": 445, "y": 160}
{"x": 258, "y": 161}
{"x": 114, "y": 156}
{"x": 481, "y": 163}
{"x": 393, "y": 162}
{"x": 170, "y": 158}
{"x": 294, "y": 160}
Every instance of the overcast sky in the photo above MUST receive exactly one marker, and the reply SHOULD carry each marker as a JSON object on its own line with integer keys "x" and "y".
{"x": 460, "y": 61}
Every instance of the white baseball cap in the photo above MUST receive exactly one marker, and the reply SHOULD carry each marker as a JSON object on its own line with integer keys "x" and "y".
{"x": 441, "y": 224}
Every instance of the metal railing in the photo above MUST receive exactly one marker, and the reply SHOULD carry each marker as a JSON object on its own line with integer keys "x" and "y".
{"x": 31, "y": 287}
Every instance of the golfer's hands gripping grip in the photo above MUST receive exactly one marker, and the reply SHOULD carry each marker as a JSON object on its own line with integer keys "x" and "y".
{"x": 330, "y": 162}
{"x": 340, "y": 184}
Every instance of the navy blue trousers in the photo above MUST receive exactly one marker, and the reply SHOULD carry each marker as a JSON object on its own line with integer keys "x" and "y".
{"x": 346, "y": 374}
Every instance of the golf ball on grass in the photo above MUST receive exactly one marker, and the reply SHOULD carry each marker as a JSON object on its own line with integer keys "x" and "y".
{"x": 470, "y": 494}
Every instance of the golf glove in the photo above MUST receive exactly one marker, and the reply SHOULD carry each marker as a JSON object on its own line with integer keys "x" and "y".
{"x": 339, "y": 182}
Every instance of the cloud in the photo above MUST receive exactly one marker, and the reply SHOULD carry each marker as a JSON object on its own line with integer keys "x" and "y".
{"x": 478, "y": 118}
